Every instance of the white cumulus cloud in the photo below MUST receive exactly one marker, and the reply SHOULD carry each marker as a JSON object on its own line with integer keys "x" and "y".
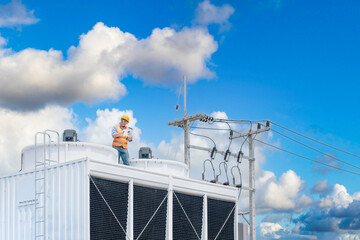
{"x": 338, "y": 198}
{"x": 18, "y": 130}
{"x": 33, "y": 78}
{"x": 283, "y": 194}
{"x": 270, "y": 230}
{"x": 15, "y": 14}
{"x": 207, "y": 13}
{"x": 348, "y": 236}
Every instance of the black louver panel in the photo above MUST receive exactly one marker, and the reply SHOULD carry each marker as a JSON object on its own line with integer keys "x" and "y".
{"x": 193, "y": 206}
{"x": 103, "y": 224}
{"x": 218, "y": 211}
{"x": 146, "y": 201}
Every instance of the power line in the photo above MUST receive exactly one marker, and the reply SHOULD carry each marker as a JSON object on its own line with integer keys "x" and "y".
{"x": 295, "y": 154}
{"x": 219, "y": 129}
{"x": 216, "y": 129}
{"x": 238, "y": 121}
{"x": 339, "y": 160}
{"x": 315, "y": 140}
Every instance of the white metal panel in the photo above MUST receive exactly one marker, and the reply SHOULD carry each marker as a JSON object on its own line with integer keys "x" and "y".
{"x": 118, "y": 172}
{"x": 169, "y": 167}
{"x": 66, "y": 203}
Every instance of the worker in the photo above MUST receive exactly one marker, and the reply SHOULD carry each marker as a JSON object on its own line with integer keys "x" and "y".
{"x": 122, "y": 135}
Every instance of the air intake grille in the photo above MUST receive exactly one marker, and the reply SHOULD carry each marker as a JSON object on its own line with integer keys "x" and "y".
{"x": 218, "y": 211}
{"x": 103, "y": 225}
{"x": 146, "y": 201}
{"x": 193, "y": 206}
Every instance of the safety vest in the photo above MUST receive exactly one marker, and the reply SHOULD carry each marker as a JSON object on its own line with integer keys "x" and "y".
{"x": 122, "y": 140}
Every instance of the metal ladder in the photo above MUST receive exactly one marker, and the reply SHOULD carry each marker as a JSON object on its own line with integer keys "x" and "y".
{"x": 40, "y": 181}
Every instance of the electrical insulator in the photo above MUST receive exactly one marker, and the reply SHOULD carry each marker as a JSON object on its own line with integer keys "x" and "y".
{"x": 231, "y": 133}
{"x": 239, "y": 156}
{"x": 267, "y": 124}
{"x": 177, "y": 107}
{"x": 259, "y": 126}
{"x": 213, "y": 153}
{"x": 226, "y": 155}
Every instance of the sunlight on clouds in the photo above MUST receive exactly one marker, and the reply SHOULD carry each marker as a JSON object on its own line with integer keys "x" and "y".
{"x": 33, "y": 78}
{"x": 282, "y": 195}
{"x": 270, "y": 230}
{"x": 18, "y": 130}
{"x": 338, "y": 198}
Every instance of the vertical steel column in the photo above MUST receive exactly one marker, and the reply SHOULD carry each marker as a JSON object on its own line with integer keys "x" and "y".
{"x": 205, "y": 219}
{"x": 236, "y": 217}
{"x": 131, "y": 210}
{"x": 169, "y": 232}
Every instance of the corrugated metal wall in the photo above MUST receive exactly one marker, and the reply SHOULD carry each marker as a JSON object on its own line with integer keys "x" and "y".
{"x": 66, "y": 203}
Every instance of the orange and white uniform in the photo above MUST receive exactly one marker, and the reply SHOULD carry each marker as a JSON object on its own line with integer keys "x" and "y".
{"x": 122, "y": 140}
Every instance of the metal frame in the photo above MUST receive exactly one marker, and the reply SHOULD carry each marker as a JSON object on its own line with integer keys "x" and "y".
{"x": 170, "y": 183}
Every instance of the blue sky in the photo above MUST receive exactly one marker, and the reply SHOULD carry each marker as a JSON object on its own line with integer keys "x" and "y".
{"x": 292, "y": 62}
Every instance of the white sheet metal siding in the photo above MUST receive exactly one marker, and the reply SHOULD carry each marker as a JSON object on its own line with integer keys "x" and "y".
{"x": 66, "y": 203}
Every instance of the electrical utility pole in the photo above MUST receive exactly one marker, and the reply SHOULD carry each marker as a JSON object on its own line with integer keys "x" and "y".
{"x": 251, "y": 136}
{"x": 185, "y": 124}
{"x": 186, "y": 130}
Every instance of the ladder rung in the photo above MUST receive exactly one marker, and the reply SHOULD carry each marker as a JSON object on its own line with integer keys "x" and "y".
{"x": 40, "y": 221}
{"x": 40, "y": 236}
{"x": 39, "y": 207}
{"x": 39, "y": 179}
{"x": 40, "y": 193}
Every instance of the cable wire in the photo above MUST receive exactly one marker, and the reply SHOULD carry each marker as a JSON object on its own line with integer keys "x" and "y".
{"x": 231, "y": 132}
{"x": 238, "y": 121}
{"x": 216, "y": 129}
{"x": 295, "y": 154}
{"x": 337, "y": 149}
{"x": 328, "y": 155}
{"x": 204, "y": 137}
